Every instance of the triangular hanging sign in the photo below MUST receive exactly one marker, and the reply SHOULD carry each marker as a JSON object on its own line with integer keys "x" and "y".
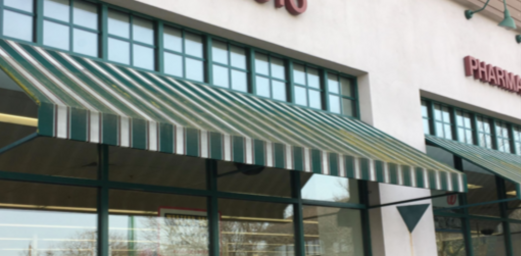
{"x": 412, "y": 214}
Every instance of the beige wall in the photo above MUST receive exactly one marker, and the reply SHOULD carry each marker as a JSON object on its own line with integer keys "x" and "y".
{"x": 400, "y": 49}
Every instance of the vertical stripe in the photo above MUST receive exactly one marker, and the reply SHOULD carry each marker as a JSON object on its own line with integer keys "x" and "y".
{"x": 259, "y": 151}
{"x": 372, "y": 171}
{"x": 109, "y": 129}
{"x": 269, "y": 154}
{"x": 238, "y": 149}
{"x": 46, "y": 116}
{"x": 288, "y": 151}
{"x": 443, "y": 180}
{"x": 152, "y": 136}
{"x": 279, "y": 155}
{"x": 180, "y": 140}
{"x": 393, "y": 173}
{"x": 192, "y": 142}
{"x": 407, "y": 179}
{"x": 341, "y": 166}
{"x": 79, "y": 124}
{"x": 463, "y": 183}
{"x": 62, "y": 122}
{"x": 438, "y": 180}
{"x": 420, "y": 179}
{"x": 413, "y": 177}
{"x": 387, "y": 176}
{"x": 227, "y": 145}
{"x": 204, "y": 144}
{"x": 365, "y": 168}
{"x": 426, "y": 178}
{"x": 298, "y": 159}
{"x": 166, "y": 133}
{"x": 399, "y": 174}
{"x": 94, "y": 127}
{"x": 248, "y": 152}
{"x": 307, "y": 160}
{"x": 216, "y": 146}
{"x": 432, "y": 180}
{"x": 379, "y": 169}
{"x": 350, "y": 163}
{"x": 125, "y": 133}
{"x": 325, "y": 163}
{"x": 333, "y": 164}
{"x": 316, "y": 157}
{"x": 139, "y": 133}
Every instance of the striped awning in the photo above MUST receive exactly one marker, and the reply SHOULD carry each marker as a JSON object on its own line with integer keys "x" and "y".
{"x": 87, "y": 100}
{"x": 505, "y": 165}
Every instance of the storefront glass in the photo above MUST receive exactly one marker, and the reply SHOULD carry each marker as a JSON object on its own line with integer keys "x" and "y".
{"x": 329, "y": 188}
{"x": 449, "y": 236}
{"x": 487, "y": 238}
{"x": 39, "y": 219}
{"x": 332, "y": 231}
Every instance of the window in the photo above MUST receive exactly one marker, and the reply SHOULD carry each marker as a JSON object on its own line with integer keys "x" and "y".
{"x": 464, "y": 127}
{"x": 18, "y": 19}
{"x": 484, "y": 132}
{"x": 503, "y": 138}
{"x": 71, "y": 26}
{"x": 442, "y": 121}
{"x": 517, "y": 139}
{"x": 307, "y": 88}
{"x": 425, "y": 117}
{"x": 183, "y": 54}
{"x": 229, "y": 66}
{"x": 341, "y": 95}
{"x": 131, "y": 40}
{"x": 270, "y": 77}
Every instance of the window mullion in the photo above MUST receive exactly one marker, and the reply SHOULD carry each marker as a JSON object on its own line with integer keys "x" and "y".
{"x": 103, "y": 201}
{"x": 131, "y": 39}
{"x": 454, "y": 124}
{"x": 253, "y": 74}
{"x": 325, "y": 95}
{"x": 71, "y": 27}
{"x": 291, "y": 82}
{"x": 209, "y": 60}
{"x": 160, "y": 65}
{"x": 39, "y": 22}
{"x": 103, "y": 21}
{"x": 298, "y": 219}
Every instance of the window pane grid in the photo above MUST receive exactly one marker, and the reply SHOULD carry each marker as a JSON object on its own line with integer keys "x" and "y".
{"x": 19, "y": 11}
{"x": 307, "y": 85}
{"x": 503, "y": 138}
{"x": 229, "y": 66}
{"x": 270, "y": 77}
{"x": 442, "y": 121}
{"x": 516, "y": 130}
{"x": 18, "y": 21}
{"x": 484, "y": 132}
{"x": 340, "y": 95}
{"x": 464, "y": 127}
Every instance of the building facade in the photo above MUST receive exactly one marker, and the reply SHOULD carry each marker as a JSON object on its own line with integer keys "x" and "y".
{"x": 243, "y": 127}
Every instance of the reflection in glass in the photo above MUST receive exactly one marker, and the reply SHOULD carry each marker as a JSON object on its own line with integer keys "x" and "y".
{"x": 256, "y": 228}
{"x": 173, "y": 39}
{"x": 220, "y": 76}
{"x": 142, "y": 30}
{"x": 449, "y": 237}
{"x": 19, "y": 26}
{"x": 332, "y": 231}
{"x": 334, "y": 104}
{"x": 220, "y": 52}
{"x": 346, "y": 87}
{"x": 333, "y": 84}
{"x": 482, "y": 188}
{"x": 278, "y": 90}
{"x": 262, "y": 64}
{"x": 39, "y": 219}
{"x": 119, "y": 24}
{"x": 143, "y": 57}
{"x": 263, "y": 86}
{"x": 56, "y": 9}
{"x": 347, "y": 107}
{"x": 278, "y": 69}
{"x": 173, "y": 64}
{"x": 329, "y": 188}
{"x": 313, "y": 78}
{"x": 193, "y": 45}
{"x": 487, "y": 238}
{"x": 237, "y": 57}
{"x": 119, "y": 51}
{"x": 157, "y": 224}
{"x": 239, "y": 81}
{"x": 194, "y": 69}
{"x": 24, "y": 5}
{"x": 299, "y": 74}
{"x": 85, "y": 42}
{"x": 85, "y": 14}
{"x": 515, "y": 235}
{"x": 315, "y": 100}
{"x": 56, "y": 35}
{"x": 300, "y": 96}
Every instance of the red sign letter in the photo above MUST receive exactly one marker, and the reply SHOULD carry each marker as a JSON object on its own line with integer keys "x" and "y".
{"x": 491, "y": 74}
{"x": 471, "y": 66}
{"x": 500, "y": 76}
{"x": 295, "y": 9}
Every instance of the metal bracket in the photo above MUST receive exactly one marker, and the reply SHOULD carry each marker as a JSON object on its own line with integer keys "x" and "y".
{"x": 411, "y": 200}
{"x": 18, "y": 143}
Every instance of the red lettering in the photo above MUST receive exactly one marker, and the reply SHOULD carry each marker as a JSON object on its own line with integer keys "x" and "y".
{"x": 517, "y": 88}
{"x": 262, "y": 1}
{"x": 510, "y": 81}
{"x": 500, "y": 77}
{"x": 491, "y": 75}
{"x": 471, "y": 66}
{"x": 482, "y": 71}
{"x": 295, "y": 8}
{"x": 279, "y": 3}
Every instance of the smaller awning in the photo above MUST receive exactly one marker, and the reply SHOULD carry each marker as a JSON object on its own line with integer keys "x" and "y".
{"x": 505, "y": 165}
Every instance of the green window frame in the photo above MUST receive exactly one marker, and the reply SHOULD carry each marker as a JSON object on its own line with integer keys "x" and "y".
{"x": 464, "y": 127}
{"x": 71, "y": 31}
{"x": 443, "y": 121}
{"x": 229, "y": 67}
{"x": 180, "y": 55}
{"x": 503, "y": 138}
{"x": 135, "y": 43}
{"x": 426, "y": 117}
{"x": 341, "y": 95}
{"x": 154, "y": 54}
{"x": 516, "y": 134}
{"x": 271, "y": 76}
{"x": 484, "y": 130}
{"x": 25, "y": 17}
{"x": 308, "y": 90}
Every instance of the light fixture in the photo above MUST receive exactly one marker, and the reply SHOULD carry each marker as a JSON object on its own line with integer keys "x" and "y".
{"x": 512, "y": 193}
{"x": 472, "y": 186}
{"x": 508, "y": 22}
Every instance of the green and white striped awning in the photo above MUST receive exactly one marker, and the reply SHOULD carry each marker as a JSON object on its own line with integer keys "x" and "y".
{"x": 98, "y": 102}
{"x": 505, "y": 165}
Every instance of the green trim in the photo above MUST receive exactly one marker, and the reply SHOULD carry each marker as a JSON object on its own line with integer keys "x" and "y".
{"x": 298, "y": 219}
{"x": 18, "y": 143}
{"x": 103, "y": 200}
{"x": 213, "y": 208}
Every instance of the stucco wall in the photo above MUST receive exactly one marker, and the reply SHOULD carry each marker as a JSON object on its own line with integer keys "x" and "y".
{"x": 400, "y": 49}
